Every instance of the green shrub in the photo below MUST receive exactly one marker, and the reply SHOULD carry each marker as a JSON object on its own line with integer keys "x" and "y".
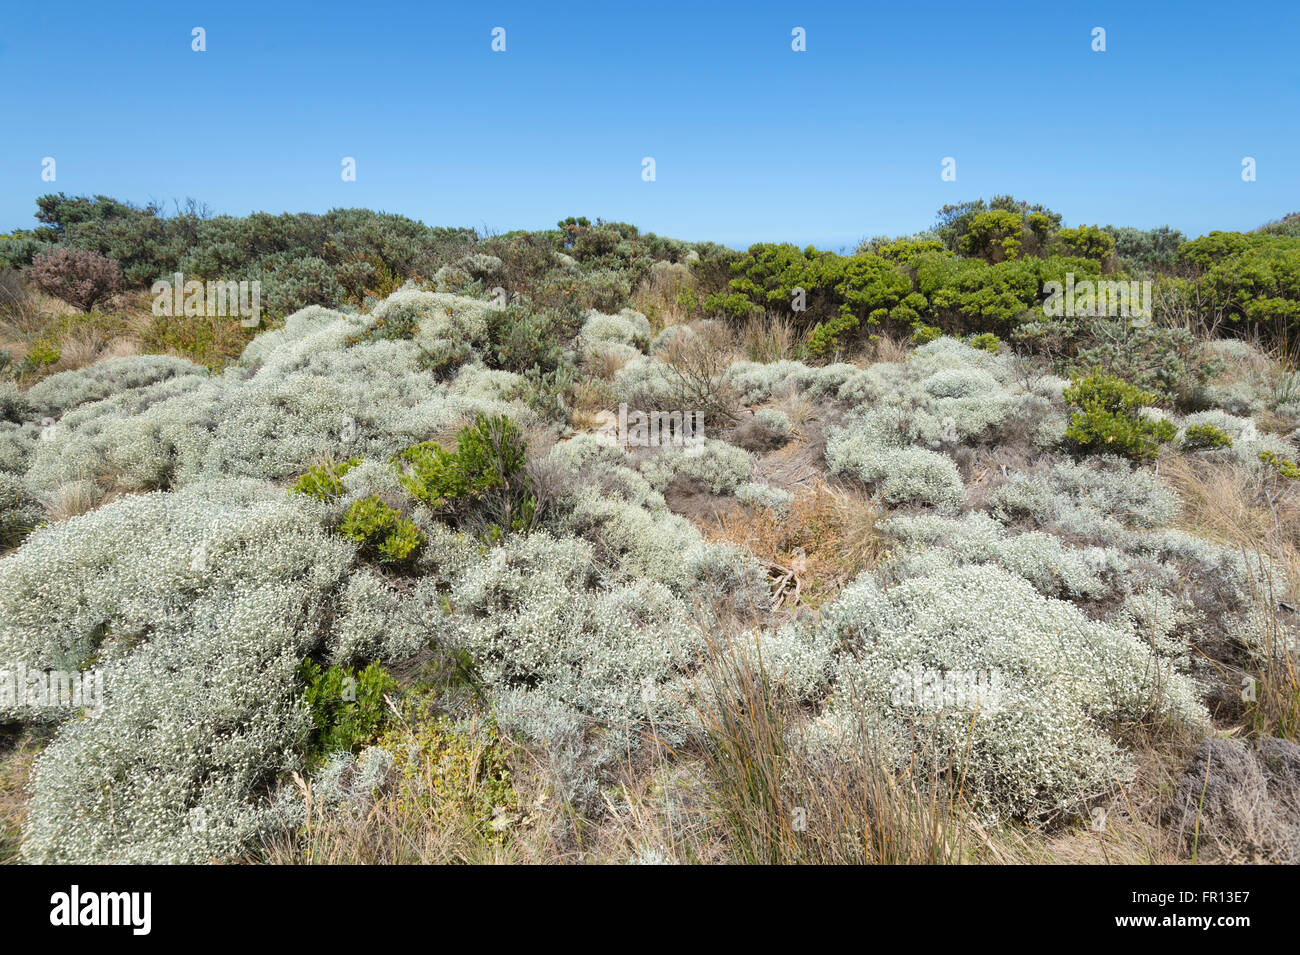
{"x": 347, "y": 707}
{"x": 206, "y": 340}
{"x": 826, "y": 336}
{"x": 521, "y": 340}
{"x": 1283, "y": 466}
{"x": 484, "y": 477}
{"x": 1088, "y": 242}
{"x": 43, "y": 353}
{"x": 924, "y": 334}
{"x": 994, "y": 235}
{"x": 1205, "y": 437}
{"x": 384, "y": 534}
{"x": 322, "y": 481}
{"x": 1107, "y": 419}
{"x": 466, "y": 767}
{"x": 987, "y": 342}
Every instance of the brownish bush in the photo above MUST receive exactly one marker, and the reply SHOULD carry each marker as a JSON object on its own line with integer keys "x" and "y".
{"x": 79, "y": 277}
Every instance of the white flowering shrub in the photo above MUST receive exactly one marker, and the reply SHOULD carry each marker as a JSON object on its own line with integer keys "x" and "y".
{"x": 799, "y": 659}
{"x": 1231, "y": 425}
{"x": 59, "y": 393}
{"x": 829, "y": 381}
{"x": 669, "y": 335}
{"x": 900, "y": 475}
{"x": 374, "y": 622}
{"x": 1167, "y": 622}
{"x": 715, "y": 464}
{"x": 536, "y": 613}
{"x": 960, "y": 383}
{"x": 628, "y": 327}
{"x": 756, "y": 382}
{"x": 931, "y": 543}
{"x": 950, "y": 353}
{"x": 764, "y": 495}
{"x": 1238, "y": 398}
{"x": 598, "y": 461}
{"x": 660, "y": 545}
{"x": 1098, "y": 497}
{"x": 450, "y": 279}
{"x": 480, "y": 266}
{"x": 18, "y": 442}
{"x": 20, "y": 511}
{"x": 317, "y": 388}
{"x": 198, "y": 607}
{"x": 1041, "y": 743}
{"x": 646, "y": 383}
{"x": 478, "y": 383}
{"x": 776, "y": 421}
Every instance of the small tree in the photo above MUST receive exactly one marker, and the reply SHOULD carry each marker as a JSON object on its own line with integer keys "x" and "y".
{"x": 79, "y": 277}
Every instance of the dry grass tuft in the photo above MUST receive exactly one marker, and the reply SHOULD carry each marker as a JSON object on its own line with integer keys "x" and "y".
{"x": 827, "y": 538}
{"x": 1259, "y": 515}
{"x": 770, "y": 339}
{"x": 74, "y": 498}
{"x": 17, "y": 755}
{"x": 782, "y": 797}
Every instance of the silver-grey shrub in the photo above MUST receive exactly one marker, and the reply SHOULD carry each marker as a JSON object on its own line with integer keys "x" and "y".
{"x": 198, "y": 607}
{"x": 1044, "y": 743}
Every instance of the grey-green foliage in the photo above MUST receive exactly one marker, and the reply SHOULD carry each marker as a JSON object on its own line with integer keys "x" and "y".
{"x": 15, "y": 407}
{"x": 197, "y": 607}
{"x": 904, "y": 416}
{"x": 60, "y": 393}
{"x": 20, "y": 511}
{"x": 1102, "y": 497}
{"x": 538, "y": 613}
{"x": 931, "y": 543}
{"x": 628, "y": 327}
{"x": 1043, "y": 742}
{"x": 764, "y": 495}
{"x": 320, "y": 386}
{"x": 634, "y": 534}
{"x": 714, "y": 464}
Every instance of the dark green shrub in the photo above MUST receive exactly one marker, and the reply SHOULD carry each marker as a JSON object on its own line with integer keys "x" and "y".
{"x": 347, "y": 707}
{"x": 1205, "y": 437}
{"x": 521, "y": 339}
{"x": 825, "y": 337}
{"x": 1107, "y": 419}
{"x": 384, "y": 534}
{"x": 323, "y": 481}
{"x": 290, "y": 283}
{"x": 484, "y": 478}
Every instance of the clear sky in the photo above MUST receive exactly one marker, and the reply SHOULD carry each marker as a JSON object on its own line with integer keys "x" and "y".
{"x": 751, "y": 140}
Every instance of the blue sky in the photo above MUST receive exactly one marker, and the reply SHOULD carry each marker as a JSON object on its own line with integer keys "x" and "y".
{"x": 752, "y": 141}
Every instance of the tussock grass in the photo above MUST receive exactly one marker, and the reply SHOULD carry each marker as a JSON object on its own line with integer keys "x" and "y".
{"x": 1240, "y": 507}
{"x": 783, "y": 799}
{"x": 767, "y": 340}
{"x": 18, "y": 751}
